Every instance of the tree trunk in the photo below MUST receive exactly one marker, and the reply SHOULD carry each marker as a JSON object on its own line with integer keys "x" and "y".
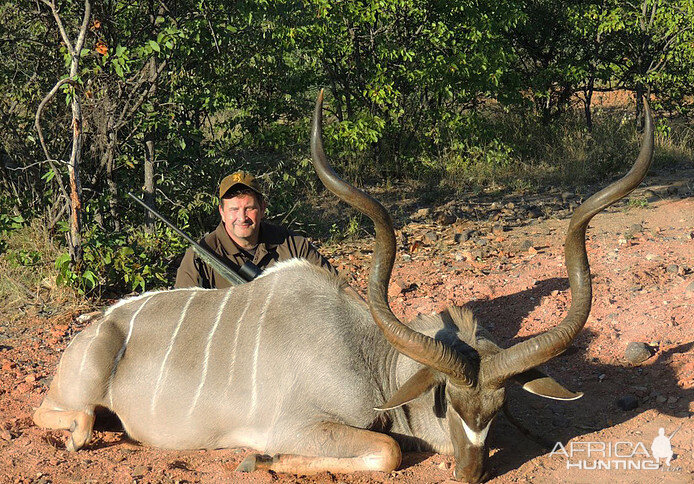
{"x": 110, "y": 182}
{"x": 640, "y": 91}
{"x": 149, "y": 184}
{"x": 149, "y": 155}
{"x": 588, "y": 92}
{"x": 75, "y": 234}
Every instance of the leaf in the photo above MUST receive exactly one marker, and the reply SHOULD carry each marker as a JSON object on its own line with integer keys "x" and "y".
{"x": 48, "y": 176}
{"x": 90, "y": 277}
{"x": 155, "y": 47}
{"x": 62, "y": 261}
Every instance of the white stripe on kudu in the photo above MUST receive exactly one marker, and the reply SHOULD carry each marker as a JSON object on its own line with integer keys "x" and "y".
{"x": 122, "y": 349}
{"x": 207, "y": 353}
{"x": 163, "y": 368}
{"x": 86, "y": 351}
{"x": 249, "y": 300}
{"x": 254, "y": 387}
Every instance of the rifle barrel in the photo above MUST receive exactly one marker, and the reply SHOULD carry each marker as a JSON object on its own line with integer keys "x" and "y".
{"x": 217, "y": 263}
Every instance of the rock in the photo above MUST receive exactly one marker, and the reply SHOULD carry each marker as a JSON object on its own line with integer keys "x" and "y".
{"x": 690, "y": 288}
{"x": 636, "y": 229}
{"x": 471, "y": 255}
{"x": 535, "y": 212}
{"x": 139, "y": 471}
{"x": 480, "y": 242}
{"x": 651, "y": 256}
{"x": 420, "y": 214}
{"x": 565, "y": 196}
{"x": 445, "y": 218}
{"x": 660, "y": 399}
{"x": 527, "y": 243}
{"x": 628, "y": 402}
{"x": 636, "y": 353}
{"x": 431, "y": 236}
{"x": 498, "y": 229}
{"x": 5, "y": 434}
{"x": 397, "y": 287}
{"x": 672, "y": 268}
{"x": 23, "y": 388}
{"x": 672, "y": 399}
{"x": 464, "y": 236}
{"x": 672, "y": 190}
{"x": 641, "y": 391}
{"x": 650, "y": 195}
{"x": 495, "y": 206}
{"x": 510, "y": 205}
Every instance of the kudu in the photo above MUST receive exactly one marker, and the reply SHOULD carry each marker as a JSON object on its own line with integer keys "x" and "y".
{"x": 292, "y": 364}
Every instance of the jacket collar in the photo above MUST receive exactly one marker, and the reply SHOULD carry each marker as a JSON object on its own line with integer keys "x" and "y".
{"x": 267, "y": 241}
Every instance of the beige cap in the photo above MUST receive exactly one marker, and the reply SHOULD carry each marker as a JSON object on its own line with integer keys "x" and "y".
{"x": 239, "y": 178}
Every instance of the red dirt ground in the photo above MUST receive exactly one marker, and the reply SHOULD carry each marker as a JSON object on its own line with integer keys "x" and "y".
{"x": 642, "y": 260}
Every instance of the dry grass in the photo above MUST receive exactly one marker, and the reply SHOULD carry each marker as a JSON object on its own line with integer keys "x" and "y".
{"x": 27, "y": 286}
{"x": 529, "y": 155}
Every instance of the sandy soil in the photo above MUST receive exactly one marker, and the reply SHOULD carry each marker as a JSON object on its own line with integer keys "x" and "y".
{"x": 511, "y": 274}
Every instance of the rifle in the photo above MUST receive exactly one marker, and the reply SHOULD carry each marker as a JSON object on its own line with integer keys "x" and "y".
{"x": 247, "y": 271}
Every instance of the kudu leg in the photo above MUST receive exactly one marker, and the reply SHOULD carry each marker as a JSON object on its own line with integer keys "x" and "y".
{"x": 331, "y": 447}
{"x": 79, "y": 423}
{"x": 80, "y": 384}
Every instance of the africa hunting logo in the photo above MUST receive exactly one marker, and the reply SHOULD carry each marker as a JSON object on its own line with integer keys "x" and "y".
{"x": 622, "y": 455}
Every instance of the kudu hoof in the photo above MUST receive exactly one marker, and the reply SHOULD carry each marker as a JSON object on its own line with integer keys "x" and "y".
{"x": 70, "y": 445}
{"x": 255, "y": 462}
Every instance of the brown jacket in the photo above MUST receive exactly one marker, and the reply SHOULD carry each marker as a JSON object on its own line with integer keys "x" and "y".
{"x": 275, "y": 244}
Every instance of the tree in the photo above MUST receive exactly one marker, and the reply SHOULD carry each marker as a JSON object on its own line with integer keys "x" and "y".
{"x": 74, "y": 197}
{"x": 655, "y": 44}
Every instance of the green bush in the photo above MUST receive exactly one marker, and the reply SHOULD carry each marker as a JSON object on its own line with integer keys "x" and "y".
{"x": 135, "y": 261}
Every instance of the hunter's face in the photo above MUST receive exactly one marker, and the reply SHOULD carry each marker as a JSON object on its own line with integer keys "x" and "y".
{"x": 241, "y": 216}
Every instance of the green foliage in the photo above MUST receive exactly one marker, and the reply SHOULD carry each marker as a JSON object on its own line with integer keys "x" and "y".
{"x": 635, "y": 202}
{"x": 121, "y": 263}
{"x": 450, "y": 93}
{"x": 23, "y": 257}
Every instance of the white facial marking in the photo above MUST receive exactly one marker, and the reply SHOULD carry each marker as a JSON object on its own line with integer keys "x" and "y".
{"x": 476, "y": 438}
{"x": 163, "y": 368}
{"x": 122, "y": 349}
{"x": 207, "y": 353}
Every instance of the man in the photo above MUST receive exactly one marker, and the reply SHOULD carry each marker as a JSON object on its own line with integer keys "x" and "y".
{"x": 243, "y": 236}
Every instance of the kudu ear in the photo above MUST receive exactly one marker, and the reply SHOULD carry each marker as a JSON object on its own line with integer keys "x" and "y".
{"x": 534, "y": 381}
{"x": 420, "y": 382}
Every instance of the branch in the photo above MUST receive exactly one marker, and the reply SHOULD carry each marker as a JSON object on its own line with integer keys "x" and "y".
{"x": 209, "y": 24}
{"x": 83, "y": 28}
{"x": 24, "y": 168}
{"x": 37, "y": 123}
{"x": 58, "y": 216}
{"x": 653, "y": 10}
{"x": 663, "y": 51}
{"x": 128, "y": 113}
{"x": 61, "y": 28}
